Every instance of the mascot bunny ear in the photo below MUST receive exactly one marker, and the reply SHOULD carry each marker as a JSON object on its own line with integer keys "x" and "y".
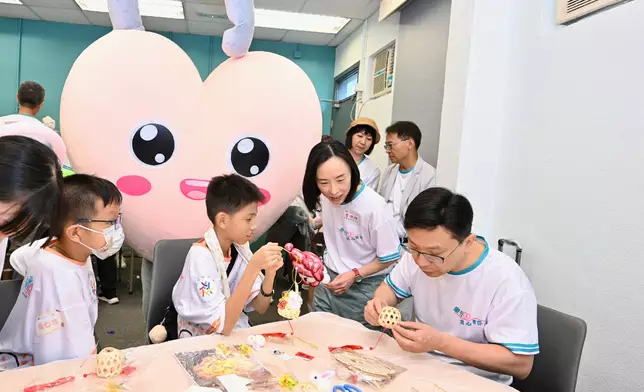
{"x": 237, "y": 39}
{"x": 125, "y": 14}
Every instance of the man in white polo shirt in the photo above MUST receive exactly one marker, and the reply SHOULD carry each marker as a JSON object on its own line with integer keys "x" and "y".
{"x": 474, "y": 305}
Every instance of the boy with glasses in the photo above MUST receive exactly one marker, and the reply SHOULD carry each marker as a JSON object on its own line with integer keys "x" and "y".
{"x": 55, "y": 314}
{"x": 474, "y": 305}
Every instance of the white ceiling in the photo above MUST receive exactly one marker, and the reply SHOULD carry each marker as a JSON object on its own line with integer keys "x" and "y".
{"x": 67, "y": 11}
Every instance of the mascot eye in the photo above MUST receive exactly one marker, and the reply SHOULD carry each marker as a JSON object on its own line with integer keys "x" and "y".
{"x": 249, "y": 156}
{"x": 153, "y": 144}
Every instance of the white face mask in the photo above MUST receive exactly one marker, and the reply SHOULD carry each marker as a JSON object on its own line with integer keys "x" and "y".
{"x": 114, "y": 238}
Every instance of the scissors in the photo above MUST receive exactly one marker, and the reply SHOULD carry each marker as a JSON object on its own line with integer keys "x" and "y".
{"x": 346, "y": 388}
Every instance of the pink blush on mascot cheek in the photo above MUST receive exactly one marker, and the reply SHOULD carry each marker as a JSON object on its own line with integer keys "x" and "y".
{"x": 159, "y": 132}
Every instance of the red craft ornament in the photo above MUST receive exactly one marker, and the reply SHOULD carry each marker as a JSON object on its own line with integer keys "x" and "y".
{"x": 307, "y": 264}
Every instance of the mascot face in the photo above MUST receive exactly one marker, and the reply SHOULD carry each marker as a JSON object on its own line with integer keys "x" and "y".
{"x": 134, "y": 110}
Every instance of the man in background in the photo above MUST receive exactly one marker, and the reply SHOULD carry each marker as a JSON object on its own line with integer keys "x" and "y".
{"x": 408, "y": 175}
{"x": 30, "y": 97}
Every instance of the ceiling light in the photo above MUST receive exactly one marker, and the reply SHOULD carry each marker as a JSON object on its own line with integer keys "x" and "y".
{"x": 11, "y": 2}
{"x": 172, "y": 9}
{"x": 297, "y": 21}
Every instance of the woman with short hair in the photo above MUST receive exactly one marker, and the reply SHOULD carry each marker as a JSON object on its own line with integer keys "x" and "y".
{"x": 362, "y": 137}
{"x": 359, "y": 231}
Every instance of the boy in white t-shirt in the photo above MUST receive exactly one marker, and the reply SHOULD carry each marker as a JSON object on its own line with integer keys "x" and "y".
{"x": 222, "y": 278}
{"x": 474, "y": 306}
{"x": 54, "y": 316}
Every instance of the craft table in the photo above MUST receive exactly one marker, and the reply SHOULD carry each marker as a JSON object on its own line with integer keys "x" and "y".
{"x": 158, "y": 370}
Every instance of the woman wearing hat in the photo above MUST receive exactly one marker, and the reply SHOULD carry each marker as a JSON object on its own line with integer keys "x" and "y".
{"x": 362, "y": 136}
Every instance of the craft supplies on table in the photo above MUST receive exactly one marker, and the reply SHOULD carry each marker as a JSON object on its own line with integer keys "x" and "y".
{"x": 206, "y": 367}
{"x": 158, "y": 370}
{"x": 367, "y": 369}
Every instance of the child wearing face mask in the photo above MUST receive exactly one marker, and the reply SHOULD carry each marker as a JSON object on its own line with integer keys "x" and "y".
{"x": 54, "y": 316}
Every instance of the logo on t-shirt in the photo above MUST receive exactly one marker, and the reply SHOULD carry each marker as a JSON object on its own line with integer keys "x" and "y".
{"x": 352, "y": 217}
{"x": 467, "y": 319}
{"x": 205, "y": 286}
{"x": 92, "y": 286}
{"x": 49, "y": 322}
{"x": 29, "y": 286}
{"x": 350, "y": 235}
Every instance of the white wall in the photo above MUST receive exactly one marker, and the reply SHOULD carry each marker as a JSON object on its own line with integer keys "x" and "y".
{"x": 359, "y": 48}
{"x": 420, "y": 70}
{"x": 474, "y": 104}
{"x": 557, "y": 163}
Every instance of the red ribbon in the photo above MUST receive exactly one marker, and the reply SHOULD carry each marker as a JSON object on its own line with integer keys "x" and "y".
{"x": 280, "y": 335}
{"x": 42, "y": 387}
{"x": 378, "y": 341}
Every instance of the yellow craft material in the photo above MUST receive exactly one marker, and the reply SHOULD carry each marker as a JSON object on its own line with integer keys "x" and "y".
{"x": 306, "y": 387}
{"x": 287, "y": 381}
{"x": 114, "y": 387}
{"x": 389, "y": 317}
{"x": 109, "y": 362}
{"x": 289, "y": 305}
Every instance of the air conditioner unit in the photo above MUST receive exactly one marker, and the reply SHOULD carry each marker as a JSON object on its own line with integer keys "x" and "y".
{"x": 383, "y": 72}
{"x": 569, "y": 10}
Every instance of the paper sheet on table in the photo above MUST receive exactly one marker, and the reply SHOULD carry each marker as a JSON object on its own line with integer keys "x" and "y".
{"x": 234, "y": 383}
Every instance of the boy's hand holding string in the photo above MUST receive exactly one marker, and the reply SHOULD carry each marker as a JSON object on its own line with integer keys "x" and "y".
{"x": 268, "y": 258}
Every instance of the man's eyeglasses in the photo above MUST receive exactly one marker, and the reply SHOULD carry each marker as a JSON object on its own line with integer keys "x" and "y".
{"x": 389, "y": 146}
{"x": 114, "y": 222}
{"x": 428, "y": 256}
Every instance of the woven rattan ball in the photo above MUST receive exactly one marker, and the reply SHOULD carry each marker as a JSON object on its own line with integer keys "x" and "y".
{"x": 109, "y": 362}
{"x": 389, "y": 317}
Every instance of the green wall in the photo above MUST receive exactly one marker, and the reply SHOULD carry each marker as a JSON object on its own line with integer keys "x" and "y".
{"x": 45, "y": 51}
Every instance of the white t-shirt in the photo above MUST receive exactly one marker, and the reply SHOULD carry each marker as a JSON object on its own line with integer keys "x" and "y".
{"x": 369, "y": 173}
{"x": 22, "y": 124}
{"x": 357, "y": 232}
{"x": 402, "y": 178}
{"x": 55, "y": 314}
{"x": 26, "y": 125}
{"x": 198, "y": 295}
{"x": 490, "y": 302}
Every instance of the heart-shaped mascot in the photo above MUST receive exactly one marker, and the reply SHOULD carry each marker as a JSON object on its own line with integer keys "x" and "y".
{"x": 135, "y": 110}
